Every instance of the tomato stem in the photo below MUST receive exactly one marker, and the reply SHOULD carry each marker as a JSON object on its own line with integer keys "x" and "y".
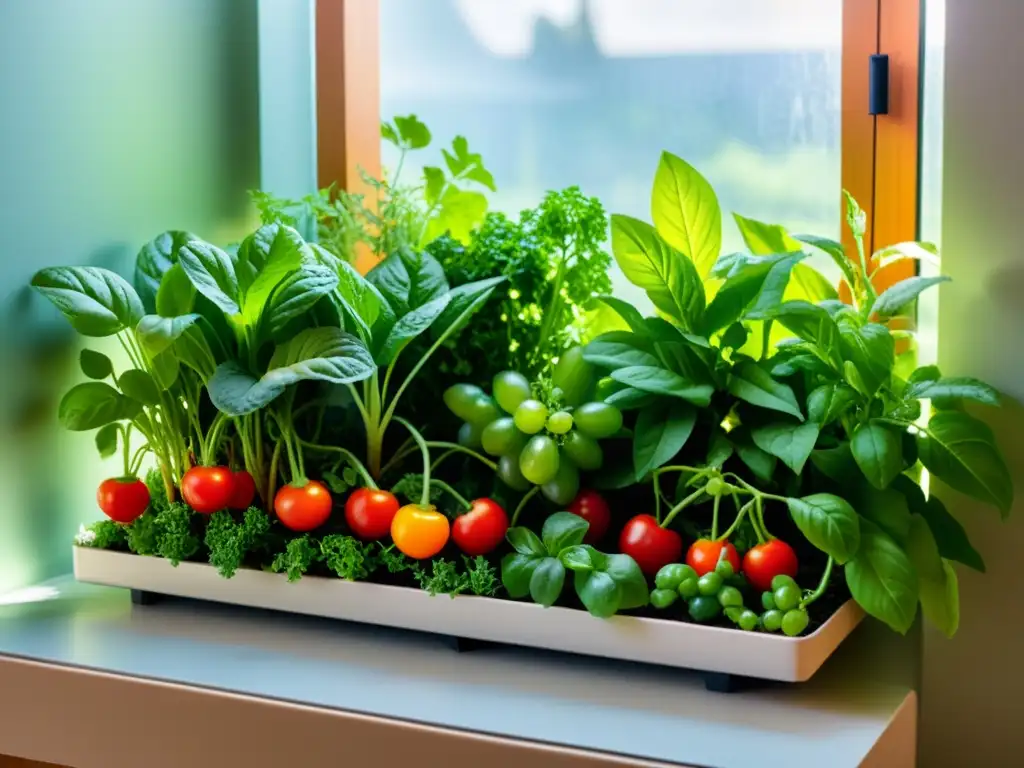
{"x": 714, "y": 517}
{"x": 353, "y": 460}
{"x": 451, "y": 492}
{"x": 463, "y": 449}
{"x": 758, "y": 519}
{"x": 275, "y": 460}
{"x": 425, "y": 451}
{"x": 681, "y": 506}
{"x": 656, "y": 479}
{"x": 736, "y": 523}
{"x": 822, "y": 585}
{"x": 522, "y": 504}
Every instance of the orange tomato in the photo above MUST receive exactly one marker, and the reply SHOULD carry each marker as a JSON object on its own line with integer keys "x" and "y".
{"x": 419, "y": 532}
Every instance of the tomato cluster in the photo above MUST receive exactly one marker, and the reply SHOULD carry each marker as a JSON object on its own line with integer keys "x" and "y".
{"x": 205, "y": 489}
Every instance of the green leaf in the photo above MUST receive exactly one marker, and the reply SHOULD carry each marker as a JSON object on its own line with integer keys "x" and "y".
{"x": 760, "y": 281}
{"x": 96, "y": 301}
{"x": 882, "y": 580}
{"x": 961, "y": 451}
{"x": 192, "y": 349}
{"x": 792, "y": 443}
{"x": 959, "y": 388}
{"x": 828, "y": 402}
{"x": 547, "y": 581}
{"x": 631, "y": 581}
{"x": 888, "y": 509}
{"x": 94, "y": 364}
{"x": 153, "y": 262}
{"x": 156, "y": 333}
{"x": 630, "y": 314}
{"x": 407, "y": 280}
{"x": 315, "y": 354}
{"x": 296, "y": 295}
{"x": 468, "y": 296}
{"x": 599, "y": 592}
{"x": 871, "y": 349}
{"x": 805, "y": 282}
{"x": 388, "y": 133}
{"x": 433, "y": 184}
{"x": 808, "y": 321}
{"x": 662, "y": 382}
{"x": 735, "y": 336}
{"x": 92, "y": 405}
{"x": 662, "y": 429}
{"x": 892, "y": 300}
{"x": 948, "y": 532}
{"x": 360, "y": 300}
{"x": 468, "y": 165}
{"x": 561, "y": 530}
{"x": 833, "y": 249}
{"x": 761, "y": 463}
{"x": 139, "y": 386}
{"x": 829, "y": 523}
{"x": 669, "y": 278}
{"x": 577, "y": 558}
{"x": 516, "y": 572}
{"x": 264, "y": 259}
{"x": 763, "y": 239}
{"x": 176, "y": 294}
{"x": 212, "y": 272}
{"x": 411, "y": 326}
{"x": 412, "y": 132}
{"x": 719, "y": 448}
{"x": 856, "y": 219}
{"x": 835, "y": 463}
{"x": 606, "y": 584}
{"x": 940, "y": 600}
{"x": 878, "y": 453}
{"x": 754, "y": 385}
{"x": 629, "y": 399}
{"x": 459, "y": 212}
{"x": 166, "y": 367}
{"x": 620, "y": 349}
{"x": 923, "y": 551}
{"x": 927, "y": 252}
{"x": 525, "y": 542}
{"x": 106, "y": 440}
{"x": 686, "y": 213}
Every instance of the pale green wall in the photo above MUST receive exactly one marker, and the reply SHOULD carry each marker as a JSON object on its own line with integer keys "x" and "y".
{"x": 971, "y": 697}
{"x": 118, "y": 119}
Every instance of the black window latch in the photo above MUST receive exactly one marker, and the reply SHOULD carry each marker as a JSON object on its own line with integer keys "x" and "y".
{"x": 878, "y": 84}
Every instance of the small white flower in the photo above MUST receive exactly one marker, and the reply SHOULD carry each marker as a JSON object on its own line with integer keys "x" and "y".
{"x": 85, "y": 537}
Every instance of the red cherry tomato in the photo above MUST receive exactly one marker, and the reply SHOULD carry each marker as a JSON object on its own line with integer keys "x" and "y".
{"x": 591, "y": 506}
{"x": 703, "y": 555}
{"x": 764, "y": 562}
{"x": 481, "y": 529}
{"x": 369, "y": 513}
{"x": 244, "y": 491}
{"x": 123, "y": 499}
{"x": 303, "y": 507}
{"x": 207, "y": 489}
{"x": 649, "y": 544}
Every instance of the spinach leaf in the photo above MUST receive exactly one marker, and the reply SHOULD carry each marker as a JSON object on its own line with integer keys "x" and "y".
{"x": 96, "y": 301}
{"x": 154, "y": 260}
{"x": 882, "y": 580}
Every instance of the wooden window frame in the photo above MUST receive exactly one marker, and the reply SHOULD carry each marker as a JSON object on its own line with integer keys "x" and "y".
{"x": 880, "y": 154}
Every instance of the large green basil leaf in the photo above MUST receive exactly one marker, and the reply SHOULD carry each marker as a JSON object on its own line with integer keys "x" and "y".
{"x": 662, "y": 429}
{"x": 828, "y": 402}
{"x": 954, "y": 388}
{"x": 829, "y": 523}
{"x": 878, "y": 452}
{"x": 939, "y": 589}
{"x": 834, "y": 250}
{"x": 792, "y": 443}
{"x": 295, "y": 296}
{"x": 809, "y": 322}
{"x": 358, "y": 298}
{"x": 156, "y": 333}
{"x": 961, "y": 451}
{"x": 871, "y": 349}
{"x": 193, "y": 349}
{"x": 805, "y": 282}
{"x": 409, "y": 327}
{"x": 526, "y": 542}
{"x": 605, "y": 584}
{"x": 763, "y": 239}
{"x": 882, "y": 580}
{"x": 315, "y": 354}
{"x": 212, "y": 272}
{"x": 754, "y": 385}
{"x": 659, "y": 381}
{"x": 630, "y": 314}
{"x": 96, "y": 301}
{"x": 760, "y": 278}
{"x": 468, "y": 296}
{"x": 835, "y": 463}
{"x": 139, "y": 386}
{"x": 685, "y": 211}
{"x": 561, "y": 530}
{"x": 153, "y": 262}
{"x": 94, "y": 404}
{"x": 95, "y": 364}
{"x": 630, "y": 399}
{"x": 264, "y": 259}
{"x": 547, "y": 581}
{"x": 620, "y": 349}
{"x": 408, "y": 279}
{"x": 893, "y": 299}
{"x": 516, "y": 572}
{"x": 176, "y": 294}
{"x": 669, "y": 278}
{"x": 948, "y": 532}
{"x": 889, "y": 509}
{"x": 761, "y": 463}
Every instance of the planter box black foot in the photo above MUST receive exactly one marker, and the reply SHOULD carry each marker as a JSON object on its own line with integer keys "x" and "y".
{"x": 465, "y": 644}
{"x": 141, "y": 597}
{"x": 721, "y": 682}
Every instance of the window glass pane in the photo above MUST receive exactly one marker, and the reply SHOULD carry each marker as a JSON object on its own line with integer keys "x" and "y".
{"x": 588, "y": 92}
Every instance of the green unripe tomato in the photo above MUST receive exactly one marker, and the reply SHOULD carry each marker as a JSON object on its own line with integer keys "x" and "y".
{"x": 563, "y": 487}
{"x": 787, "y": 597}
{"x": 704, "y": 608}
{"x": 510, "y": 474}
{"x": 782, "y": 580}
{"x": 469, "y": 435}
{"x": 598, "y": 420}
{"x": 772, "y": 620}
{"x": 748, "y": 621}
{"x": 709, "y": 584}
{"x": 730, "y": 597}
{"x": 724, "y": 567}
{"x": 663, "y": 598}
{"x": 688, "y": 588}
{"x": 539, "y": 460}
{"x": 502, "y": 438}
{"x": 574, "y": 376}
{"x": 768, "y": 601}
{"x": 510, "y": 389}
{"x": 459, "y": 399}
{"x": 583, "y": 451}
{"x": 714, "y": 486}
{"x": 733, "y": 613}
{"x": 794, "y": 622}
{"x": 531, "y": 416}
{"x": 672, "y": 575}
{"x": 560, "y": 422}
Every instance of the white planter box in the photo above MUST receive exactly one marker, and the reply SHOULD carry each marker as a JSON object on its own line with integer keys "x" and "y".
{"x": 655, "y": 641}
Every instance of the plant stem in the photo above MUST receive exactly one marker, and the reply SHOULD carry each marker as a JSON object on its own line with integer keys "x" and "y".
{"x": 681, "y": 506}
{"x": 136, "y": 463}
{"x": 463, "y": 449}
{"x": 451, "y": 492}
{"x": 822, "y": 585}
{"x": 758, "y": 520}
{"x": 735, "y": 523}
{"x": 656, "y": 479}
{"x": 714, "y": 518}
{"x": 425, "y": 451}
{"x": 766, "y": 338}
{"x": 353, "y": 460}
{"x": 275, "y": 459}
{"x": 213, "y": 438}
{"x": 522, "y": 504}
